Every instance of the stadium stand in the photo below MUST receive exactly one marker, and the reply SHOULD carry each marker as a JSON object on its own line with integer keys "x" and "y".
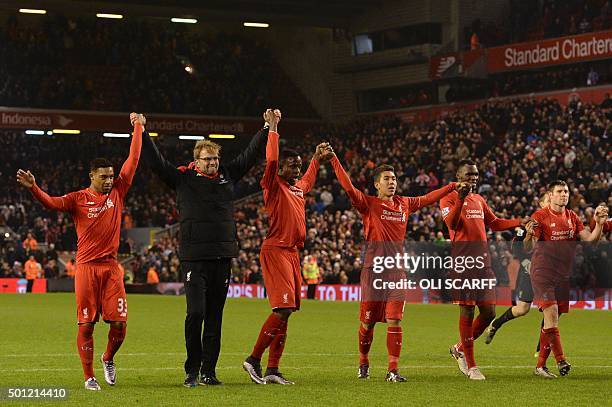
{"x": 520, "y": 145}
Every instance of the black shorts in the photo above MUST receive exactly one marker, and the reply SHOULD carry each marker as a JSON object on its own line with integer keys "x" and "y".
{"x": 523, "y": 283}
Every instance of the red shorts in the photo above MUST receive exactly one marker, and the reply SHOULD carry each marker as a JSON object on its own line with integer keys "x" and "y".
{"x": 282, "y": 276}
{"x": 380, "y": 311}
{"x": 99, "y": 289}
{"x": 474, "y": 296}
{"x": 551, "y": 288}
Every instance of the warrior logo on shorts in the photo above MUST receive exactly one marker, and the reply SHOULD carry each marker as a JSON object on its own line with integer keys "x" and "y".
{"x": 188, "y": 276}
{"x": 285, "y": 298}
{"x": 85, "y": 313}
{"x": 368, "y": 314}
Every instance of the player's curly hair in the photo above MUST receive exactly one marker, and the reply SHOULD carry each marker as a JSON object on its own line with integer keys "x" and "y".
{"x": 99, "y": 163}
{"x": 466, "y": 161}
{"x": 288, "y": 153}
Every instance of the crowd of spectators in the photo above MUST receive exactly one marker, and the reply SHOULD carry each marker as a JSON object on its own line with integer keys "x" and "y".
{"x": 530, "y": 20}
{"x": 524, "y": 82}
{"x": 520, "y": 145}
{"x": 502, "y": 84}
{"x": 89, "y": 64}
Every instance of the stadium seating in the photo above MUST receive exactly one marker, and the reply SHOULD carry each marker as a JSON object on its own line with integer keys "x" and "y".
{"x": 520, "y": 145}
{"x": 86, "y": 64}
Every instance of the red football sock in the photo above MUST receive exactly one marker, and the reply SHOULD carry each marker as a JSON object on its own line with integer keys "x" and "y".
{"x": 269, "y": 330}
{"x": 554, "y": 339}
{"x": 365, "y": 342}
{"x": 85, "y": 344}
{"x": 466, "y": 332}
{"x": 394, "y": 345}
{"x": 479, "y": 325}
{"x": 115, "y": 339}
{"x": 544, "y": 349}
{"x": 277, "y": 347}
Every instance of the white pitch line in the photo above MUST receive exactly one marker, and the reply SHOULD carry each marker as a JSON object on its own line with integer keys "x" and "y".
{"x": 183, "y": 354}
{"x": 178, "y": 368}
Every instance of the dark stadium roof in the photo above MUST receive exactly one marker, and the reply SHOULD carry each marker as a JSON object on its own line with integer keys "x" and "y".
{"x": 327, "y": 13}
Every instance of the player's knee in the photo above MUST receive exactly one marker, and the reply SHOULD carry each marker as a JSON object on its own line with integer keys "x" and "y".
{"x": 86, "y": 329}
{"x": 394, "y": 322}
{"x": 522, "y": 308}
{"x": 118, "y": 324}
{"x": 467, "y": 311}
{"x": 283, "y": 313}
{"x": 487, "y": 313}
{"x": 368, "y": 326}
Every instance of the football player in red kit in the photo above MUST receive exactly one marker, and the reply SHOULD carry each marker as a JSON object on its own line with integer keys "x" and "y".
{"x": 467, "y": 216}
{"x": 284, "y": 192}
{"x": 555, "y": 235}
{"x": 385, "y": 218}
{"x": 99, "y": 289}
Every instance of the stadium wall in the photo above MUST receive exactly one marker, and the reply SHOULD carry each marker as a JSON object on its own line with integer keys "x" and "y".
{"x": 402, "y": 66}
{"x": 305, "y": 54}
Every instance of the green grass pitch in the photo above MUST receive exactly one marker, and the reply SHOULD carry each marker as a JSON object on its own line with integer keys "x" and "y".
{"x": 38, "y": 335}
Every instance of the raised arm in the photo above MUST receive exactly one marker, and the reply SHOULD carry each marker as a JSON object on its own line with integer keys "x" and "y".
{"x": 128, "y": 169}
{"x": 358, "y": 198}
{"x": 166, "y": 171}
{"x": 57, "y": 203}
{"x": 310, "y": 176}
{"x": 271, "y": 172}
{"x": 496, "y": 224}
{"x": 432, "y": 197}
{"x": 240, "y": 165}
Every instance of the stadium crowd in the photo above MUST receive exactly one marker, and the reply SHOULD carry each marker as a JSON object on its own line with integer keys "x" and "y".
{"x": 520, "y": 145}
{"x": 85, "y": 64}
{"x": 529, "y": 20}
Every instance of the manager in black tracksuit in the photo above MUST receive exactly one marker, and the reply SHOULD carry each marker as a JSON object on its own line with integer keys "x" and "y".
{"x": 208, "y": 241}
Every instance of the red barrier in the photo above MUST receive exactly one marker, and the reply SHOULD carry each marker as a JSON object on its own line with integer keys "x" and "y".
{"x": 47, "y": 119}
{"x": 19, "y": 285}
{"x": 589, "y": 299}
{"x": 425, "y": 114}
{"x": 600, "y": 299}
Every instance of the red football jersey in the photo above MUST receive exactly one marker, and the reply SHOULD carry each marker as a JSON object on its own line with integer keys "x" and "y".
{"x": 285, "y": 203}
{"x": 475, "y": 215}
{"x": 385, "y": 221}
{"x": 556, "y": 233}
{"x": 97, "y": 216}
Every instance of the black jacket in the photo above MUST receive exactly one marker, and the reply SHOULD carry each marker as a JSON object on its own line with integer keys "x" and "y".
{"x": 206, "y": 207}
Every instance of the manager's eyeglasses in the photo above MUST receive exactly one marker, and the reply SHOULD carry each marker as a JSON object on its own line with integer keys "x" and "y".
{"x": 207, "y": 159}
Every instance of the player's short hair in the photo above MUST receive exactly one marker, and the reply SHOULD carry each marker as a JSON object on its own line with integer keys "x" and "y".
{"x": 99, "y": 163}
{"x": 467, "y": 161}
{"x": 207, "y": 145}
{"x": 558, "y": 183}
{"x": 288, "y": 153}
{"x": 380, "y": 169}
